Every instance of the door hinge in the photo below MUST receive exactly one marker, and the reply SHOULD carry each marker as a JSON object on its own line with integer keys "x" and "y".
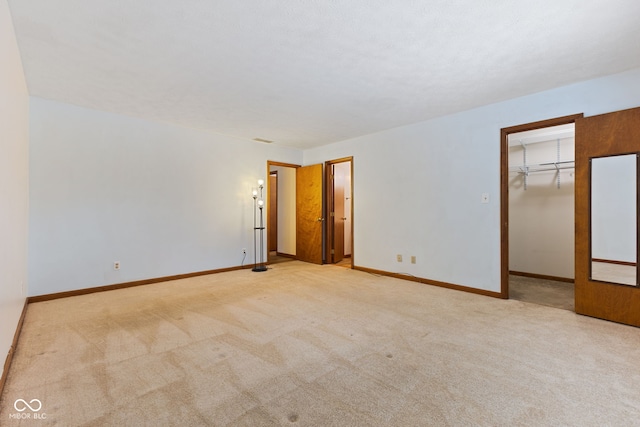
{"x": 333, "y": 251}
{"x": 331, "y": 214}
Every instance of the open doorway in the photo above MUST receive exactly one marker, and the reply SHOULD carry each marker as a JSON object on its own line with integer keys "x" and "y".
{"x": 339, "y": 208}
{"x": 310, "y": 218}
{"x": 281, "y": 212}
{"x": 538, "y": 207}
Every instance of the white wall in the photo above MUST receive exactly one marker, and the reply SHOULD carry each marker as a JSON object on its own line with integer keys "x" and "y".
{"x": 541, "y": 217}
{"x": 166, "y": 200}
{"x": 286, "y": 209}
{"x": 14, "y": 181}
{"x": 160, "y": 199}
{"x": 417, "y": 188}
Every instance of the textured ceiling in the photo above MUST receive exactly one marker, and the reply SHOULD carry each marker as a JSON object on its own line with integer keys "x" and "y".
{"x": 308, "y": 73}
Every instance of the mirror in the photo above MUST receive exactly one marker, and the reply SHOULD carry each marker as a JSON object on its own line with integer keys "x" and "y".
{"x": 614, "y": 219}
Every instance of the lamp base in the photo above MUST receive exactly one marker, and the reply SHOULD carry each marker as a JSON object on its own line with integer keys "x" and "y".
{"x": 259, "y": 268}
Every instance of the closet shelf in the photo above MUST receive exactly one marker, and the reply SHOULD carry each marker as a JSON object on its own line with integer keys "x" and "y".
{"x": 525, "y": 169}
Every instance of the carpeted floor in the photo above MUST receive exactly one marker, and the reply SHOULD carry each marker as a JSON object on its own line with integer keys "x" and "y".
{"x": 551, "y": 293}
{"x": 314, "y": 345}
{"x": 345, "y": 262}
{"x": 276, "y": 259}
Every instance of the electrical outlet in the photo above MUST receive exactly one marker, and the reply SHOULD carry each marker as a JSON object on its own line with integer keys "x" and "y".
{"x": 116, "y": 265}
{"x": 484, "y": 198}
{"x": 413, "y": 259}
{"x": 399, "y": 258}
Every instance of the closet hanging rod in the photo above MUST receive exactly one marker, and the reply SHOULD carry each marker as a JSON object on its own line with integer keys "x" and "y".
{"x": 544, "y": 167}
{"x": 557, "y": 163}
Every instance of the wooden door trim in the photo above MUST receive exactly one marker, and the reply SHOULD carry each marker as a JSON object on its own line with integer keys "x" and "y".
{"x": 328, "y": 197}
{"x": 328, "y": 238}
{"x": 286, "y": 165}
{"x": 272, "y": 210}
{"x": 504, "y": 189}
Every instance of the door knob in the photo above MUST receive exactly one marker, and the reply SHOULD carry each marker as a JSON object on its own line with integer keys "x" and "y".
{"x": 320, "y": 219}
{"x": 344, "y": 218}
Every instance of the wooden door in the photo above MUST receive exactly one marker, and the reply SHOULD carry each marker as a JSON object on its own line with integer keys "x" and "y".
{"x": 272, "y": 226}
{"x": 600, "y": 136}
{"x": 309, "y": 219}
{"x": 338, "y": 214}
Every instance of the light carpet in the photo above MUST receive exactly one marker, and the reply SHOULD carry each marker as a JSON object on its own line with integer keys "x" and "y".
{"x": 551, "y": 293}
{"x": 314, "y": 345}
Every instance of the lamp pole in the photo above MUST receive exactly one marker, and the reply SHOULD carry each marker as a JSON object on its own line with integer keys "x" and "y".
{"x": 260, "y": 204}
{"x": 255, "y": 247}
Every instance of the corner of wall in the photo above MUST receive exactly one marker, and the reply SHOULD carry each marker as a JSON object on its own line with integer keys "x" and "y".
{"x": 14, "y": 182}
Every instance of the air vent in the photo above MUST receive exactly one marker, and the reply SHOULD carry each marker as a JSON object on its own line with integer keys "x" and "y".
{"x": 262, "y": 140}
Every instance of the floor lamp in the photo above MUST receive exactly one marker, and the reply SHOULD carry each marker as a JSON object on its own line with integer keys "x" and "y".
{"x": 258, "y": 204}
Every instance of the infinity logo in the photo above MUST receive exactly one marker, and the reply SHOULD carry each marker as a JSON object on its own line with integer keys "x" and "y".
{"x": 26, "y": 405}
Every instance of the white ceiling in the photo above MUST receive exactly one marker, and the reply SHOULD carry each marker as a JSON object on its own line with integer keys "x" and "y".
{"x": 305, "y": 73}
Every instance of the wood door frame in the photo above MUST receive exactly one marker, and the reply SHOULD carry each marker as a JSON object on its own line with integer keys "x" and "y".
{"x": 272, "y": 204}
{"x": 328, "y": 237}
{"x": 504, "y": 189}
{"x": 269, "y": 164}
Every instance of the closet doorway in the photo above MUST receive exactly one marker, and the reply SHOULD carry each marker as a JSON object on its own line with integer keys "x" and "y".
{"x": 538, "y": 208}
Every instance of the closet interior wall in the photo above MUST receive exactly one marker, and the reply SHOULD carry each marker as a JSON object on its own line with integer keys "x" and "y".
{"x": 541, "y": 202}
